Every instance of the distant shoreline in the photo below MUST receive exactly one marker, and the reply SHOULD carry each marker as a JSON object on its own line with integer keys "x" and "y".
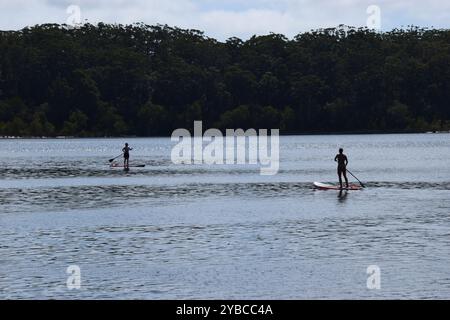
{"x": 143, "y": 80}
{"x": 283, "y": 135}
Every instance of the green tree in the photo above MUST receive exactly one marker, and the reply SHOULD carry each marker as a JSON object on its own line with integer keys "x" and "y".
{"x": 239, "y": 117}
{"x": 110, "y": 123}
{"x": 77, "y": 124}
{"x": 398, "y": 115}
{"x": 268, "y": 118}
{"x": 15, "y": 127}
{"x": 40, "y": 126}
{"x": 334, "y": 79}
{"x": 153, "y": 120}
{"x": 288, "y": 120}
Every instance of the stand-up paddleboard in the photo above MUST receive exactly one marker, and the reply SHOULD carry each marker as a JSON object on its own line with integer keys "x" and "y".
{"x": 325, "y": 186}
{"x": 120, "y": 166}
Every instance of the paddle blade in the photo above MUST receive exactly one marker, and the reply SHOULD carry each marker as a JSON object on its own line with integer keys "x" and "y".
{"x": 362, "y": 185}
{"x": 111, "y": 160}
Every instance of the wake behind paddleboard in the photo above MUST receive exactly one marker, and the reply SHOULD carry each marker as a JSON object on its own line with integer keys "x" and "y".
{"x": 325, "y": 186}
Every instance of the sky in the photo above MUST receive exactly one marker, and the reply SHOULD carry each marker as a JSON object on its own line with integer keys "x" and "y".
{"x": 223, "y": 19}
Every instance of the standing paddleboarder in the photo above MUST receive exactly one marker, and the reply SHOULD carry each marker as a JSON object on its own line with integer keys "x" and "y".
{"x": 342, "y": 161}
{"x": 126, "y": 156}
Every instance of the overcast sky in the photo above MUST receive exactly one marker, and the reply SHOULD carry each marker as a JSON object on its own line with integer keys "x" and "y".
{"x": 226, "y": 18}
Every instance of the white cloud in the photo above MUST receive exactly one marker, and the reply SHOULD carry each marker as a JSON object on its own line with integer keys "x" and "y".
{"x": 226, "y": 18}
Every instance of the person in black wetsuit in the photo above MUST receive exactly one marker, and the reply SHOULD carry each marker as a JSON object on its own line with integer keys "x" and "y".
{"x": 342, "y": 161}
{"x": 126, "y": 156}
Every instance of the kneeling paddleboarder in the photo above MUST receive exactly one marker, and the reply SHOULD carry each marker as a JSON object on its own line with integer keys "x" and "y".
{"x": 342, "y": 161}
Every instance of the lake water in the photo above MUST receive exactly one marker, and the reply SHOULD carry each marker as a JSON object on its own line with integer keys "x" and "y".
{"x": 225, "y": 232}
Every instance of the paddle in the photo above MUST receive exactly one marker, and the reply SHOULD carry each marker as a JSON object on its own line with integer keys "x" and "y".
{"x": 111, "y": 160}
{"x": 362, "y": 185}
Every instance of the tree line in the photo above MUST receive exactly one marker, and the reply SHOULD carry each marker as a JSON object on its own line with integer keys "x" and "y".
{"x": 118, "y": 80}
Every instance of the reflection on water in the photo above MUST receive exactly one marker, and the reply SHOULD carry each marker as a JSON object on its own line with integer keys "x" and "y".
{"x": 342, "y": 195}
{"x": 167, "y": 231}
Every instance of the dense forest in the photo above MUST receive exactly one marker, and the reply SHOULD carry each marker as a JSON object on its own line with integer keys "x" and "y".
{"x": 118, "y": 80}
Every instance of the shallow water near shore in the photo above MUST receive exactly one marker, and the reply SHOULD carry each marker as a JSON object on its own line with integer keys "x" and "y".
{"x": 225, "y": 232}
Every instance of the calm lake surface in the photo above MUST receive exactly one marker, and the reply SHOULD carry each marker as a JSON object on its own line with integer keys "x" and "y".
{"x": 225, "y": 232}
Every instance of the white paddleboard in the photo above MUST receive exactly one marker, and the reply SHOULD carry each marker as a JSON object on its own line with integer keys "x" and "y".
{"x": 325, "y": 186}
